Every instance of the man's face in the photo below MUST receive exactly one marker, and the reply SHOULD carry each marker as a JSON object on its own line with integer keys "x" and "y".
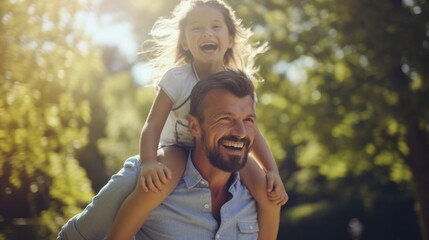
{"x": 228, "y": 130}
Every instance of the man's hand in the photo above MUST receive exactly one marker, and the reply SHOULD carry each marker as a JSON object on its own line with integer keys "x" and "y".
{"x": 276, "y": 190}
{"x": 154, "y": 176}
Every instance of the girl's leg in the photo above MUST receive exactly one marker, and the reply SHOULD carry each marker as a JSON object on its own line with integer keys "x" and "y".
{"x": 255, "y": 180}
{"x": 139, "y": 204}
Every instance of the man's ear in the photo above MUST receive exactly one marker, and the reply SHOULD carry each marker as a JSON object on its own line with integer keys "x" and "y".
{"x": 193, "y": 125}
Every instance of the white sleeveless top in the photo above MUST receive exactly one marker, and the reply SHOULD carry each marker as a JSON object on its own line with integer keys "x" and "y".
{"x": 177, "y": 83}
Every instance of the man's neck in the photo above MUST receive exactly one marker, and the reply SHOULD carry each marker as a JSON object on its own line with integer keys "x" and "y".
{"x": 218, "y": 180}
{"x": 219, "y": 196}
{"x": 215, "y": 177}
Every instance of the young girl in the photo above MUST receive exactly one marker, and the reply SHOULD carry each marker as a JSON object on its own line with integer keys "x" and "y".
{"x": 208, "y": 39}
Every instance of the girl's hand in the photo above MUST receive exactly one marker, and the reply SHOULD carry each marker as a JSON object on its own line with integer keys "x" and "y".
{"x": 154, "y": 176}
{"x": 276, "y": 190}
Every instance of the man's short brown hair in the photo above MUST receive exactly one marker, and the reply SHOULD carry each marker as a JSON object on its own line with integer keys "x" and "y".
{"x": 235, "y": 82}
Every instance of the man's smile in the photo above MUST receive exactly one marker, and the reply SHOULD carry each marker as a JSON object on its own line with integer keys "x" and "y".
{"x": 234, "y": 145}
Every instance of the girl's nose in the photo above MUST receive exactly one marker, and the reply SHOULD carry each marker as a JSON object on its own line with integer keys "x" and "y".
{"x": 207, "y": 32}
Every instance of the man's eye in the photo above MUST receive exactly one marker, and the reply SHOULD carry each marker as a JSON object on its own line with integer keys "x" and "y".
{"x": 225, "y": 119}
{"x": 250, "y": 120}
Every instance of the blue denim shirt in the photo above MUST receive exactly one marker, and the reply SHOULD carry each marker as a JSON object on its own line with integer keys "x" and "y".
{"x": 185, "y": 214}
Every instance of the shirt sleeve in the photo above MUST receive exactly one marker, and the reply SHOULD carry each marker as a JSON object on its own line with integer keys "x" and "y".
{"x": 170, "y": 83}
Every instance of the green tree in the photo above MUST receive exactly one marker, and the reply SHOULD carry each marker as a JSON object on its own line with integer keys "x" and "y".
{"x": 126, "y": 104}
{"x": 46, "y": 63}
{"x": 344, "y": 104}
{"x": 120, "y": 104}
{"x": 347, "y": 95}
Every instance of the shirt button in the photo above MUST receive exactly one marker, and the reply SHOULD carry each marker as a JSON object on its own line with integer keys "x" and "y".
{"x": 206, "y": 206}
{"x": 251, "y": 227}
{"x": 217, "y": 236}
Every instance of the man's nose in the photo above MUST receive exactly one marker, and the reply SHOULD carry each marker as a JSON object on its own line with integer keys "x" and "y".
{"x": 239, "y": 130}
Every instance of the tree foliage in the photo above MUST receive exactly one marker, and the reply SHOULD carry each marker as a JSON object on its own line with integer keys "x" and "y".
{"x": 126, "y": 104}
{"x": 347, "y": 94}
{"x": 46, "y": 63}
{"x": 343, "y": 106}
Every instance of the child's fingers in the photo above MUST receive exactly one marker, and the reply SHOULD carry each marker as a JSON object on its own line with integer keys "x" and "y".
{"x": 276, "y": 191}
{"x": 162, "y": 181}
{"x": 270, "y": 184}
{"x": 167, "y": 173}
{"x": 285, "y": 199}
{"x": 273, "y": 196}
{"x": 143, "y": 185}
{"x": 164, "y": 175}
{"x": 158, "y": 183}
{"x": 150, "y": 185}
{"x": 278, "y": 199}
{"x": 153, "y": 177}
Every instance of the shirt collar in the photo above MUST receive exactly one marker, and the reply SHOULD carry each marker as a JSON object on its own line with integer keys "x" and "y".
{"x": 192, "y": 177}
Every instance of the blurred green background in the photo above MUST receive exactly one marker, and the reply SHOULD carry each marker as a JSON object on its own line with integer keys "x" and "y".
{"x": 344, "y": 106}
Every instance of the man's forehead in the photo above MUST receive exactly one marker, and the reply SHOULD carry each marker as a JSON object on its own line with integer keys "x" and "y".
{"x": 220, "y": 101}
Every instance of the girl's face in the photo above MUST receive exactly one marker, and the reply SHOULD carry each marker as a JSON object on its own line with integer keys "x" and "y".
{"x": 207, "y": 36}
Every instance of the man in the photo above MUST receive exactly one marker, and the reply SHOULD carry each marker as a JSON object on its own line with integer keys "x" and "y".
{"x": 209, "y": 202}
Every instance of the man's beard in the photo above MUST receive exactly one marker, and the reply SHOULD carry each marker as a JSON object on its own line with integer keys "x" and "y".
{"x": 232, "y": 163}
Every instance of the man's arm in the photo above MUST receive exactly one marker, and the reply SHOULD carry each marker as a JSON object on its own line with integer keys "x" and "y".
{"x": 96, "y": 220}
{"x": 140, "y": 204}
